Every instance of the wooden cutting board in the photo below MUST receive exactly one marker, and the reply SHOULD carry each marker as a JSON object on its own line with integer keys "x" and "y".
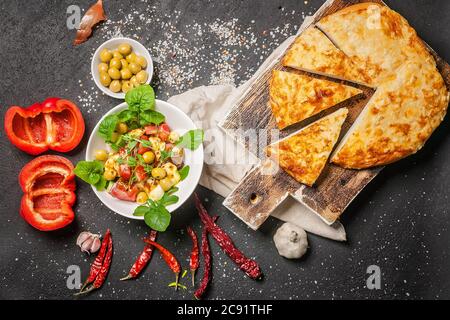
{"x": 266, "y": 186}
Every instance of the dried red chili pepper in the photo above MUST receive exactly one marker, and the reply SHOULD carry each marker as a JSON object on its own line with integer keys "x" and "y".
{"x": 98, "y": 262}
{"x": 143, "y": 258}
{"x": 206, "y": 252}
{"x": 249, "y": 266}
{"x": 193, "y": 261}
{"x": 97, "y": 276}
{"x": 169, "y": 258}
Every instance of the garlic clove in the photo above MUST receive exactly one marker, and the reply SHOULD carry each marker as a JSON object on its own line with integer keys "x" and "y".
{"x": 83, "y": 236}
{"x": 86, "y": 245}
{"x": 96, "y": 243}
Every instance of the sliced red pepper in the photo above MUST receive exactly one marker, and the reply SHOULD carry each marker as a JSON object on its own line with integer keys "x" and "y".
{"x": 121, "y": 192}
{"x": 48, "y": 184}
{"x": 54, "y": 124}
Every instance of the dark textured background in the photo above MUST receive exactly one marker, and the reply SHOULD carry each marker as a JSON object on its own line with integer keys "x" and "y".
{"x": 400, "y": 222}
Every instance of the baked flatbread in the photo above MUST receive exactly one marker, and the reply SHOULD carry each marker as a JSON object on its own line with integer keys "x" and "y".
{"x": 304, "y": 154}
{"x": 295, "y": 97}
{"x": 313, "y": 52}
{"x": 411, "y": 99}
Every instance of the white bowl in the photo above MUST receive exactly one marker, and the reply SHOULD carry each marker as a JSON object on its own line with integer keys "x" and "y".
{"x": 113, "y": 44}
{"x": 179, "y": 122}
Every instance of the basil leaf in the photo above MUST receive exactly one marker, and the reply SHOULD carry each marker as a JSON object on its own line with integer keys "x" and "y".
{"x": 140, "y": 211}
{"x": 172, "y": 190}
{"x": 192, "y": 139}
{"x": 141, "y": 98}
{"x": 108, "y": 126}
{"x": 157, "y": 218}
{"x": 184, "y": 172}
{"x": 127, "y": 115}
{"x": 91, "y": 172}
{"x": 167, "y": 200}
{"x": 151, "y": 117}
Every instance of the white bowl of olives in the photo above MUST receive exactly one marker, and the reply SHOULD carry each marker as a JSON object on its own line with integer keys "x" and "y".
{"x": 119, "y": 65}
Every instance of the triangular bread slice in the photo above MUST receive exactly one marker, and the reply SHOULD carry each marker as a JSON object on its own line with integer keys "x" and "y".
{"x": 295, "y": 97}
{"x": 313, "y": 52}
{"x": 304, "y": 154}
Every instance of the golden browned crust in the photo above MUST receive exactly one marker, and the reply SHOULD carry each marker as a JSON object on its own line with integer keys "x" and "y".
{"x": 411, "y": 99}
{"x": 295, "y": 97}
{"x": 312, "y": 51}
{"x": 304, "y": 154}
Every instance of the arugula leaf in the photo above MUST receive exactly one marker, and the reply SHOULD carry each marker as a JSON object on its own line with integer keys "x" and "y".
{"x": 157, "y": 218}
{"x": 141, "y": 98}
{"x": 165, "y": 155}
{"x": 184, "y": 172}
{"x": 108, "y": 126}
{"x": 151, "y": 116}
{"x": 192, "y": 139}
{"x": 132, "y": 162}
{"x": 91, "y": 172}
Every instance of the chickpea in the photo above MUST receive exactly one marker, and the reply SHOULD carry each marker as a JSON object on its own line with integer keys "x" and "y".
{"x": 105, "y": 79}
{"x": 117, "y": 55}
{"x": 109, "y": 174}
{"x": 126, "y": 86}
{"x": 125, "y": 74}
{"x": 125, "y": 49}
{"x": 142, "y": 76}
{"x": 114, "y": 73}
{"x": 105, "y": 55}
{"x": 101, "y": 155}
{"x": 149, "y": 157}
{"x": 158, "y": 173}
{"x": 141, "y": 61}
{"x": 103, "y": 67}
{"x": 115, "y": 86}
{"x": 142, "y": 197}
{"x": 122, "y": 127}
{"x": 134, "y": 67}
{"x": 115, "y": 63}
{"x": 124, "y": 63}
{"x": 131, "y": 57}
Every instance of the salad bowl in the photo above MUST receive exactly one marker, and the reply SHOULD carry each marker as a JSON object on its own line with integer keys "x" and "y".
{"x": 180, "y": 123}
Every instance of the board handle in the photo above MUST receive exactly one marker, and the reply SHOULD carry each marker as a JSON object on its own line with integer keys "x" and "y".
{"x": 261, "y": 191}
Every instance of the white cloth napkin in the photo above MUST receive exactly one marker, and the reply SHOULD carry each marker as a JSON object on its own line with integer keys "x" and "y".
{"x": 207, "y": 106}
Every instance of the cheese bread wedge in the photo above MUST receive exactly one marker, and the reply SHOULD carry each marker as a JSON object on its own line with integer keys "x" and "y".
{"x": 295, "y": 97}
{"x": 313, "y": 52}
{"x": 304, "y": 154}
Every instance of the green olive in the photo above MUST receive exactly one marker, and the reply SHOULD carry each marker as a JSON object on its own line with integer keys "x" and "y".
{"x": 134, "y": 82}
{"x": 148, "y": 157}
{"x": 122, "y": 127}
{"x": 142, "y": 76}
{"x": 105, "y": 79}
{"x": 141, "y": 61}
{"x": 158, "y": 173}
{"x": 115, "y": 63}
{"x": 114, "y": 137}
{"x": 103, "y": 67}
{"x": 101, "y": 155}
{"x": 124, "y": 63}
{"x": 126, "y": 86}
{"x": 114, "y": 73}
{"x": 126, "y": 74}
{"x": 131, "y": 57}
{"x": 115, "y": 86}
{"x": 142, "y": 197}
{"x": 117, "y": 55}
{"x": 105, "y": 55}
{"x": 109, "y": 174}
{"x": 125, "y": 49}
{"x": 134, "y": 67}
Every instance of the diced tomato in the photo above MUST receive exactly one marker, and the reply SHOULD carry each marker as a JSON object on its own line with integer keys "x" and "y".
{"x": 142, "y": 149}
{"x": 169, "y": 146}
{"x": 140, "y": 173}
{"x": 164, "y": 132}
{"x": 151, "y": 130}
{"x": 122, "y": 152}
{"x": 121, "y": 192}
{"x": 144, "y": 137}
{"x": 125, "y": 172}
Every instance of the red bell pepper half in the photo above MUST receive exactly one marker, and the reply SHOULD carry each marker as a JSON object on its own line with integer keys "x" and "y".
{"x": 54, "y": 124}
{"x": 48, "y": 184}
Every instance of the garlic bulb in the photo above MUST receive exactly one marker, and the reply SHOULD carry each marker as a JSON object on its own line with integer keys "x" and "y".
{"x": 88, "y": 242}
{"x": 291, "y": 241}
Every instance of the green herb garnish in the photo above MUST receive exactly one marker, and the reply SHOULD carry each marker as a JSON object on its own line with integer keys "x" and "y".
{"x": 92, "y": 173}
{"x": 184, "y": 172}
